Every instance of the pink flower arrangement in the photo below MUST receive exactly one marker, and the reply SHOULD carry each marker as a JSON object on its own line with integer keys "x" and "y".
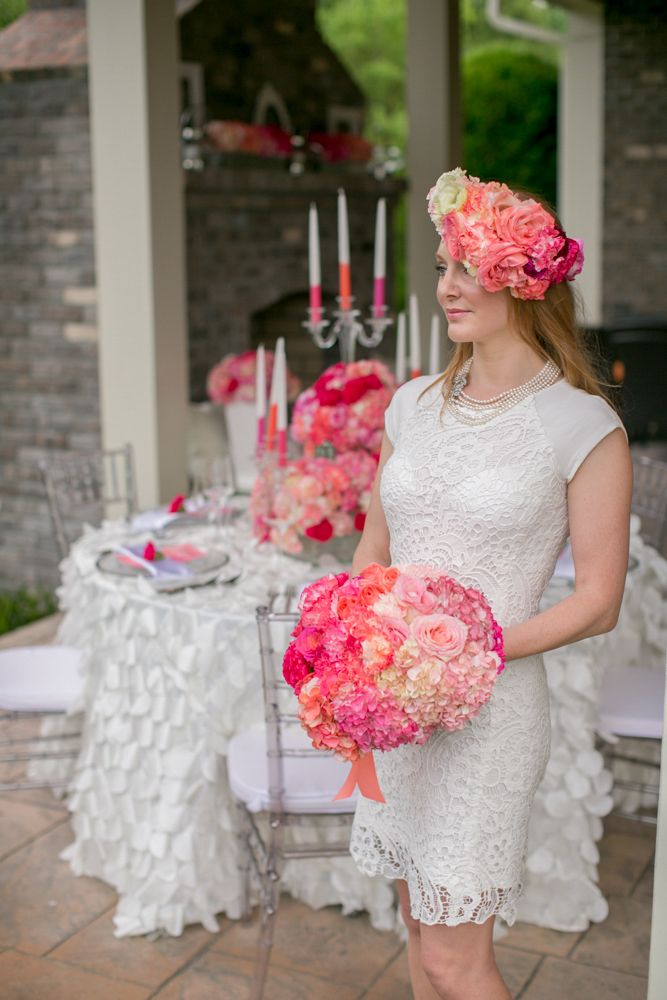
{"x": 502, "y": 240}
{"x": 317, "y": 498}
{"x": 345, "y": 407}
{"x": 386, "y": 657}
{"x": 232, "y": 380}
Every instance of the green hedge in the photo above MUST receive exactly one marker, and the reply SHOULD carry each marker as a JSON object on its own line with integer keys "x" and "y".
{"x": 510, "y": 107}
{"x": 20, "y": 607}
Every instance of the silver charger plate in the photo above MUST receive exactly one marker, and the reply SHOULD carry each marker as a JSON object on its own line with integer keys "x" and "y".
{"x": 206, "y": 569}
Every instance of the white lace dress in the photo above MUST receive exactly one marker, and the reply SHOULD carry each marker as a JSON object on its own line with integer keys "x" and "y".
{"x": 488, "y": 505}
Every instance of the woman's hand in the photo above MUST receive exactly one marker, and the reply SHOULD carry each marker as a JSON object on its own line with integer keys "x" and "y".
{"x": 374, "y": 543}
{"x": 598, "y": 499}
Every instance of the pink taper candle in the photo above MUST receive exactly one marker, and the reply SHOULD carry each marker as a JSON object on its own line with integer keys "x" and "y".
{"x": 260, "y": 396}
{"x": 272, "y": 428}
{"x": 281, "y": 422}
{"x": 380, "y": 260}
{"x": 344, "y": 276}
{"x": 314, "y": 272}
{"x": 415, "y": 340}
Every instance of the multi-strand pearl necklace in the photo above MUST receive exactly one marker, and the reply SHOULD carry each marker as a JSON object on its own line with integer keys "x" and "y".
{"x": 477, "y": 411}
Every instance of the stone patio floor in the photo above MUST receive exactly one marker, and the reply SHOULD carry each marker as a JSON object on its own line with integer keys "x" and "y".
{"x": 57, "y": 943}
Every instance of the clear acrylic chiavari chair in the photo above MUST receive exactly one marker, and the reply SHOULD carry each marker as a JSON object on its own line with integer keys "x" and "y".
{"x": 281, "y": 783}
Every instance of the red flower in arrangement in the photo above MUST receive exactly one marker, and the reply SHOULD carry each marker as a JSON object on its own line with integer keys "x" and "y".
{"x": 177, "y": 504}
{"x": 345, "y": 407}
{"x": 359, "y": 521}
{"x": 232, "y": 380}
{"x": 321, "y": 532}
{"x": 149, "y": 552}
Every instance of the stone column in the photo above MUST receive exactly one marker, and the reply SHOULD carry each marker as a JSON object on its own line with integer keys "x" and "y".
{"x": 139, "y": 246}
{"x": 434, "y": 142}
{"x": 581, "y": 149}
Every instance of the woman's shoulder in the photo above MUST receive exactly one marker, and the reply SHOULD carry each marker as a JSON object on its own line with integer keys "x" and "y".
{"x": 419, "y": 391}
{"x": 409, "y": 394}
{"x": 574, "y": 421}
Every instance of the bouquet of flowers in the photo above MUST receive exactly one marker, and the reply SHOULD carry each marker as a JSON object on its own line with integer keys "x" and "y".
{"x": 317, "y": 498}
{"x": 232, "y": 380}
{"x": 386, "y": 657}
{"x": 345, "y": 407}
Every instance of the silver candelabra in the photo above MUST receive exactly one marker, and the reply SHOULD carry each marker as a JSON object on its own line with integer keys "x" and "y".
{"x": 347, "y": 329}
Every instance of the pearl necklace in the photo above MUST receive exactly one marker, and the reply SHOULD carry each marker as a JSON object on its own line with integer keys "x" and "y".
{"x": 478, "y": 411}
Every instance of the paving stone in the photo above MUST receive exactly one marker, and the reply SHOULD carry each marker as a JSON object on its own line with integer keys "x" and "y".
{"x": 620, "y": 942}
{"x": 623, "y": 858}
{"x": 21, "y": 822}
{"x": 345, "y": 949}
{"x": 557, "y": 979}
{"x": 529, "y": 937}
{"x": 219, "y": 976}
{"x": 25, "y": 977}
{"x": 138, "y": 959}
{"x": 41, "y": 902}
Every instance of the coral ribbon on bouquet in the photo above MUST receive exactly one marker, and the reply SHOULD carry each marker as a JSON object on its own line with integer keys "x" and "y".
{"x": 362, "y": 773}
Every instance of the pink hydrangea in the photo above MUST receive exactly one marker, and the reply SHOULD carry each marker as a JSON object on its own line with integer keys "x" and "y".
{"x": 345, "y": 407}
{"x": 384, "y": 658}
{"x": 232, "y": 380}
{"x": 316, "y": 498}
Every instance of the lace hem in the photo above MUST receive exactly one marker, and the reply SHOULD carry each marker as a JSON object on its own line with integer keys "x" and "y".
{"x": 431, "y": 904}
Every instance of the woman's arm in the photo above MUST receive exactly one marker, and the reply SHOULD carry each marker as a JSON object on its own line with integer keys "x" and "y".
{"x": 374, "y": 543}
{"x": 598, "y": 499}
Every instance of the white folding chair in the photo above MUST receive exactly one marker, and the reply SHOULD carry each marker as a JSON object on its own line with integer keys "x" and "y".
{"x": 37, "y": 682}
{"x": 279, "y": 781}
{"x": 631, "y": 706}
{"x": 85, "y": 487}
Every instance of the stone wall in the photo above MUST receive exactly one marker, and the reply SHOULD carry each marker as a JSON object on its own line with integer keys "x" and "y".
{"x": 243, "y": 47}
{"x": 48, "y": 351}
{"x": 247, "y": 257}
{"x": 635, "y": 207}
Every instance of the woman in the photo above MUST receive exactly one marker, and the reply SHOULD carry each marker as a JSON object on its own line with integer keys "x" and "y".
{"x": 483, "y": 474}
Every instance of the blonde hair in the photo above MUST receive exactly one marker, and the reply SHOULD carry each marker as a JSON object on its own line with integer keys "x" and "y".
{"x": 549, "y": 326}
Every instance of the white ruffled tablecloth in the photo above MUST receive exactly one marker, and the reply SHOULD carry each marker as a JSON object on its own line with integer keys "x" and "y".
{"x": 170, "y": 678}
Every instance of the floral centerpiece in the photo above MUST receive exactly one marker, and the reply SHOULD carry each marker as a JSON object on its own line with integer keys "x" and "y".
{"x": 232, "y": 380}
{"x": 384, "y": 658}
{"x": 345, "y": 407}
{"x": 312, "y": 498}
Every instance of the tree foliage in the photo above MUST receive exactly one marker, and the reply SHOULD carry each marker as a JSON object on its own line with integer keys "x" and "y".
{"x": 369, "y": 38}
{"x": 10, "y": 10}
{"x": 510, "y": 118}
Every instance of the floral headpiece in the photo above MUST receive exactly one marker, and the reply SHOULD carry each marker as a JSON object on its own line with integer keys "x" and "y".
{"x": 502, "y": 240}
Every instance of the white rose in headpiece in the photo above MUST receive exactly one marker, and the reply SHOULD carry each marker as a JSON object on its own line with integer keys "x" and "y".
{"x": 448, "y": 194}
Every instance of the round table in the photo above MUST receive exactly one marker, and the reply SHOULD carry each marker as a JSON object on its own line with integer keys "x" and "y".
{"x": 169, "y": 678}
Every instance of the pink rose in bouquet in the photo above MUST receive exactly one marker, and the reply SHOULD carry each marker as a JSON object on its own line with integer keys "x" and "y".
{"x": 317, "y": 498}
{"x": 386, "y": 657}
{"x": 232, "y": 380}
{"x": 345, "y": 407}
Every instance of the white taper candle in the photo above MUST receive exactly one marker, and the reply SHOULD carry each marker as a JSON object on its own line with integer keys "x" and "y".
{"x": 434, "y": 346}
{"x": 415, "y": 339}
{"x": 400, "y": 349}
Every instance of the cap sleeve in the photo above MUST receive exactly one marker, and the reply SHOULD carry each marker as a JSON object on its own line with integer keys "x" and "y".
{"x": 575, "y": 423}
{"x": 402, "y": 404}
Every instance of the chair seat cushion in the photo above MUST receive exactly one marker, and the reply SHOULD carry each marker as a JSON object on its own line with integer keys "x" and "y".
{"x": 310, "y": 782}
{"x": 632, "y": 701}
{"x": 39, "y": 678}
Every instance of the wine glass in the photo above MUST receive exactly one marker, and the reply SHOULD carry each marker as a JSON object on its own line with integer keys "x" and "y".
{"x": 217, "y": 487}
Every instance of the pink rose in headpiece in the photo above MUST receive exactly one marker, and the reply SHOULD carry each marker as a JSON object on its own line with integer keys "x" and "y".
{"x": 522, "y": 223}
{"x": 501, "y": 265}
